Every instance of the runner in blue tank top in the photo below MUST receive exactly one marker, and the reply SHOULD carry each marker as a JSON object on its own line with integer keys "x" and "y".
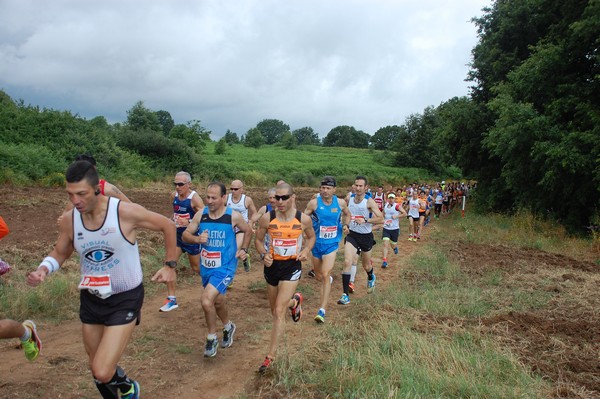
{"x": 186, "y": 203}
{"x": 326, "y": 212}
{"x": 217, "y": 226}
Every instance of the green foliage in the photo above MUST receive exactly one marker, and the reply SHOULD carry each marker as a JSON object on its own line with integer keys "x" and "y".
{"x": 529, "y": 133}
{"x": 307, "y": 136}
{"x": 221, "y": 146}
{"x": 141, "y": 118}
{"x": 16, "y": 162}
{"x": 165, "y": 120}
{"x": 385, "y": 136}
{"x": 272, "y": 130}
{"x": 288, "y": 141}
{"x": 254, "y": 138}
{"x": 416, "y": 144}
{"x": 346, "y": 136}
{"x": 231, "y": 137}
{"x": 164, "y": 154}
{"x": 193, "y": 134}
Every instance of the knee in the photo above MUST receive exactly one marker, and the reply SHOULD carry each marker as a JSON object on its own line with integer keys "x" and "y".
{"x": 102, "y": 373}
{"x": 207, "y": 303}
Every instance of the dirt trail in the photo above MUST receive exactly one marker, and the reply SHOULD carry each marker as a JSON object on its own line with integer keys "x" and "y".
{"x": 165, "y": 354}
{"x": 560, "y": 342}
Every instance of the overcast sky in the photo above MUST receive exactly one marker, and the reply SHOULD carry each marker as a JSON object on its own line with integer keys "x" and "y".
{"x": 231, "y": 64}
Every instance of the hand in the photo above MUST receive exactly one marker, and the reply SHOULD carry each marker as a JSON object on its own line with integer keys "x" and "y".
{"x": 37, "y": 277}
{"x": 203, "y": 238}
{"x": 268, "y": 260}
{"x": 241, "y": 254}
{"x": 165, "y": 274}
{"x": 302, "y": 256}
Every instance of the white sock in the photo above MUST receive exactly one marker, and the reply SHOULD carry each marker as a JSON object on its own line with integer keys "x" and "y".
{"x": 211, "y": 337}
{"x": 228, "y": 325}
{"x": 330, "y": 279}
{"x": 27, "y": 335}
{"x": 352, "y": 273}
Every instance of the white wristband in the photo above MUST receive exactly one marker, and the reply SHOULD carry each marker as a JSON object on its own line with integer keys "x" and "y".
{"x": 50, "y": 263}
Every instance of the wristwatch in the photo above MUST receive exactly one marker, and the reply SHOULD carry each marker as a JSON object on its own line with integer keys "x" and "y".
{"x": 171, "y": 263}
{"x": 262, "y": 256}
{"x": 244, "y": 249}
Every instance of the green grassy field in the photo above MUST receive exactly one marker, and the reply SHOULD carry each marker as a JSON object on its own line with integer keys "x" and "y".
{"x": 305, "y": 166}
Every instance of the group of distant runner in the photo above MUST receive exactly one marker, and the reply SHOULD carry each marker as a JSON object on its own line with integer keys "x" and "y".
{"x": 216, "y": 232}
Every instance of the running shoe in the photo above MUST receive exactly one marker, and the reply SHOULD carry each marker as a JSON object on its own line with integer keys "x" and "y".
{"x": 296, "y": 310}
{"x": 170, "y": 304}
{"x": 33, "y": 346}
{"x": 351, "y": 287}
{"x": 228, "y": 336}
{"x": 418, "y": 237}
{"x": 211, "y": 348}
{"x": 247, "y": 264}
{"x": 311, "y": 273}
{"x": 371, "y": 284}
{"x": 266, "y": 365}
{"x": 396, "y": 250}
{"x": 410, "y": 237}
{"x": 344, "y": 299}
{"x": 134, "y": 392}
{"x": 320, "y": 317}
{"x": 384, "y": 264}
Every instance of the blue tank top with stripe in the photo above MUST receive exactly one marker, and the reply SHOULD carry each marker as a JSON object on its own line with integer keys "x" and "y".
{"x": 327, "y": 221}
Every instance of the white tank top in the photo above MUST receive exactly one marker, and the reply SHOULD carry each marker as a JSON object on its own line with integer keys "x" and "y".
{"x": 359, "y": 211}
{"x": 106, "y": 251}
{"x": 389, "y": 223}
{"x": 413, "y": 208}
{"x": 239, "y": 206}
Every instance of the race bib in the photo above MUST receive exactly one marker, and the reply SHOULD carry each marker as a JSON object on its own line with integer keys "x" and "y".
{"x": 211, "y": 259}
{"x": 97, "y": 285}
{"x": 355, "y": 219}
{"x": 328, "y": 232}
{"x": 285, "y": 247}
{"x": 181, "y": 220}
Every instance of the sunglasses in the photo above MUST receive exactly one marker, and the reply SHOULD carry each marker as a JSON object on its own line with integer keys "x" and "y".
{"x": 179, "y": 184}
{"x": 282, "y": 197}
{"x": 234, "y": 188}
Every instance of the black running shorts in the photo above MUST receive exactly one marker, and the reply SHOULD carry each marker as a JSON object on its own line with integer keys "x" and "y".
{"x": 362, "y": 242}
{"x": 283, "y": 270}
{"x": 116, "y": 310}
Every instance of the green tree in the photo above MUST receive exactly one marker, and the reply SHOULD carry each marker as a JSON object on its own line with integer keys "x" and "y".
{"x": 141, "y": 118}
{"x": 346, "y": 136}
{"x": 288, "y": 141}
{"x": 306, "y": 136}
{"x": 385, "y": 136}
{"x": 221, "y": 146}
{"x": 254, "y": 138}
{"x": 272, "y": 130}
{"x": 231, "y": 137}
{"x": 166, "y": 121}
{"x": 192, "y": 133}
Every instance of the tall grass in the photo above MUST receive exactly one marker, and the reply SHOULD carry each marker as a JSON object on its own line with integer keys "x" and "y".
{"x": 412, "y": 340}
{"x": 523, "y": 230}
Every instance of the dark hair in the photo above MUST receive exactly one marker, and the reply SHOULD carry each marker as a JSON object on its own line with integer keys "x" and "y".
{"x": 86, "y": 157}
{"x": 328, "y": 181}
{"x": 220, "y": 185}
{"x": 82, "y": 170}
{"x": 359, "y": 177}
